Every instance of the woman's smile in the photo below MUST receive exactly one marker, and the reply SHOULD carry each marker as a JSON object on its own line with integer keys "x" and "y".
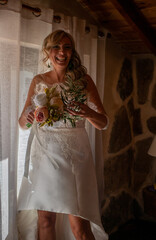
{"x": 61, "y": 59}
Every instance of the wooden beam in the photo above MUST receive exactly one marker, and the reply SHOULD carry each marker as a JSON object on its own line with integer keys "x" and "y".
{"x": 88, "y": 6}
{"x": 138, "y": 22}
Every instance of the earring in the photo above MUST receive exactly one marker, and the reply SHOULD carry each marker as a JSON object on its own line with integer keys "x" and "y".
{"x": 49, "y": 63}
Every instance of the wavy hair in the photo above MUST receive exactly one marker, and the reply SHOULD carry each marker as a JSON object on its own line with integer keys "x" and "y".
{"x": 75, "y": 69}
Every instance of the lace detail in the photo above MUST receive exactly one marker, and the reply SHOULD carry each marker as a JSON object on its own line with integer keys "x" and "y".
{"x": 65, "y": 138}
{"x": 40, "y": 87}
{"x": 62, "y": 124}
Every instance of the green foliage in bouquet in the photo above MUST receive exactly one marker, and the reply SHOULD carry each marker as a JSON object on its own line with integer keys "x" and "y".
{"x": 73, "y": 91}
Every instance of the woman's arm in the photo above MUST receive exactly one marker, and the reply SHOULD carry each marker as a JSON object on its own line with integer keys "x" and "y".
{"x": 27, "y": 115}
{"x": 98, "y": 118}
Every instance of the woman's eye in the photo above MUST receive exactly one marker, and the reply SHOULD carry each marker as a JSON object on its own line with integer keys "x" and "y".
{"x": 68, "y": 47}
{"x": 56, "y": 47}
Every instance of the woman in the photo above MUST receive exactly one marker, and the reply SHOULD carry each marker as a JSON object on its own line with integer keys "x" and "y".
{"x": 60, "y": 182}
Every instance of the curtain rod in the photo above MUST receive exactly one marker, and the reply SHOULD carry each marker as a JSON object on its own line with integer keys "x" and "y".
{"x": 35, "y": 11}
{"x": 3, "y": 2}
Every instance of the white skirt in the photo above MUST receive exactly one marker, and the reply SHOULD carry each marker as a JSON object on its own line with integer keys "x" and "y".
{"x": 60, "y": 178}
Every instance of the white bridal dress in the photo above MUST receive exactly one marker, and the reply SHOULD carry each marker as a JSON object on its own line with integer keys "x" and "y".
{"x": 59, "y": 177}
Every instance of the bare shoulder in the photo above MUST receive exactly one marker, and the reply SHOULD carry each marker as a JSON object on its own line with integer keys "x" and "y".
{"x": 90, "y": 83}
{"x": 43, "y": 78}
{"x": 88, "y": 78}
{"x": 37, "y": 79}
{"x": 47, "y": 78}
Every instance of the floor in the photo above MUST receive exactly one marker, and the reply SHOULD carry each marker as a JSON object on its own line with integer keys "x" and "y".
{"x": 136, "y": 230}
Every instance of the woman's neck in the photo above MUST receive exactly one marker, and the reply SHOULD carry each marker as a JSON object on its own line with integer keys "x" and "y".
{"x": 59, "y": 75}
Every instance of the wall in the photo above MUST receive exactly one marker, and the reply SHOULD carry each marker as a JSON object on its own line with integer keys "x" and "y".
{"x": 130, "y": 101}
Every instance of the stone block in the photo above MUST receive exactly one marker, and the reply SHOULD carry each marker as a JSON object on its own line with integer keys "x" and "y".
{"x": 143, "y": 160}
{"x": 125, "y": 82}
{"x": 118, "y": 211}
{"x": 154, "y": 97}
{"x": 144, "y": 72}
{"x": 121, "y": 131}
{"x": 151, "y": 124}
{"x": 118, "y": 172}
{"x": 143, "y": 163}
{"x": 137, "y": 125}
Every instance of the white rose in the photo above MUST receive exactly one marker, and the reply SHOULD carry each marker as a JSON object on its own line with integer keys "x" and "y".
{"x": 40, "y": 99}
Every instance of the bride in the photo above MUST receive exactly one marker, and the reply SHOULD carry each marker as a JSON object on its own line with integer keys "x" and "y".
{"x": 59, "y": 188}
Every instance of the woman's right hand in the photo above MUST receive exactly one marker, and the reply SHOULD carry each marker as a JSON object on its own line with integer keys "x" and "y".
{"x": 30, "y": 117}
{"x": 26, "y": 119}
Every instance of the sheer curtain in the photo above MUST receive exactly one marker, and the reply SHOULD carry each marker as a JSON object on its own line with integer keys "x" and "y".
{"x": 21, "y": 37}
{"x": 9, "y": 83}
{"x": 33, "y": 31}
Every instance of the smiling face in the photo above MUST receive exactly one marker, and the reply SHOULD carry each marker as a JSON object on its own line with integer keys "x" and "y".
{"x": 60, "y": 54}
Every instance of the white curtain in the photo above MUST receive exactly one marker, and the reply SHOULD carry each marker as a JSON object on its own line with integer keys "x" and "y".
{"x": 33, "y": 31}
{"x": 21, "y": 37}
{"x": 9, "y": 83}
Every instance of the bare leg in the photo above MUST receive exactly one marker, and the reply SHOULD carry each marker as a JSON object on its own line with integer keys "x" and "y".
{"x": 46, "y": 225}
{"x": 81, "y": 228}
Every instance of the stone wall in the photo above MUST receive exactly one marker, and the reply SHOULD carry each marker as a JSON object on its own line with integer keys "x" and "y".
{"x": 130, "y": 101}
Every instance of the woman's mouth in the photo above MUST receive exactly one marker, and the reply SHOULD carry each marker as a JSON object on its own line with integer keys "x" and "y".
{"x": 61, "y": 59}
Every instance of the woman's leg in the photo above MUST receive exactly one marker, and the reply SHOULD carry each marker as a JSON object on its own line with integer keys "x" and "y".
{"x": 46, "y": 225}
{"x": 81, "y": 228}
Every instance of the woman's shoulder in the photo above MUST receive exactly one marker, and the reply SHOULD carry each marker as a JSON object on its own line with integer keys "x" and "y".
{"x": 87, "y": 77}
{"x": 45, "y": 78}
{"x": 90, "y": 83}
{"x": 39, "y": 78}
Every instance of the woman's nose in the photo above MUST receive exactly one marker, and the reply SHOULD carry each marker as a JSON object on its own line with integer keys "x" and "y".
{"x": 61, "y": 50}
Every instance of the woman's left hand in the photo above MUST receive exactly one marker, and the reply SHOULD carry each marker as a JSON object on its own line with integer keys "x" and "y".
{"x": 97, "y": 119}
{"x": 80, "y": 109}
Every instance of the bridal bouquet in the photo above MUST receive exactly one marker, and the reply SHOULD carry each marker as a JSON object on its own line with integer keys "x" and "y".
{"x": 51, "y": 105}
{"x": 48, "y": 107}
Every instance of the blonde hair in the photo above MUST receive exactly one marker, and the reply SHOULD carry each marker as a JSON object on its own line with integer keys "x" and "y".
{"x": 75, "y": 69}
